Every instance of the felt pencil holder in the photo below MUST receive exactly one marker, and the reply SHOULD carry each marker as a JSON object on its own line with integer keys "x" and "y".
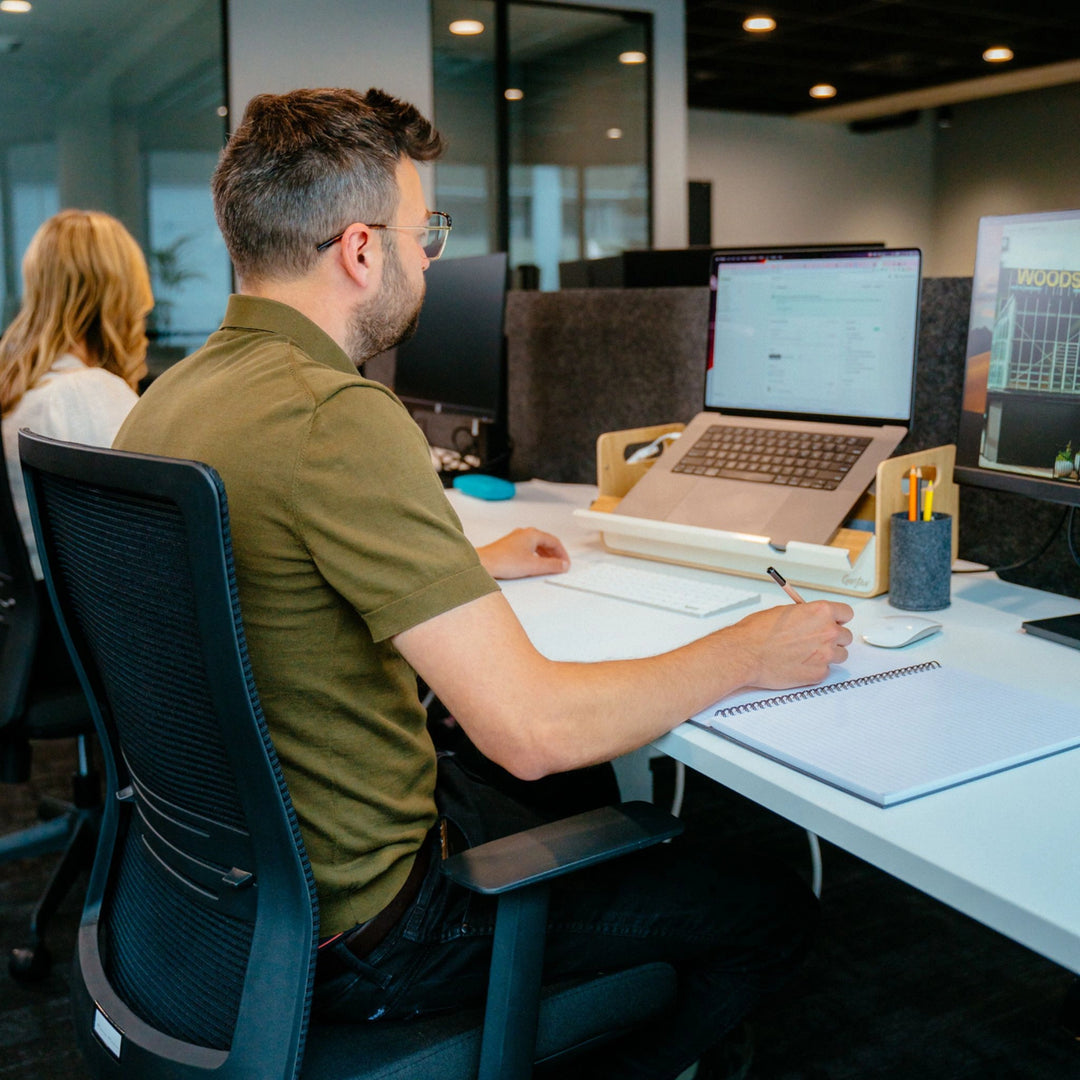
{"x": 920, "y": 563}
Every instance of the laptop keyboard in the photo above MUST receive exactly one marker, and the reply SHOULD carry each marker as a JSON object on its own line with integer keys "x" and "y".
{"x": 773, "y": 456}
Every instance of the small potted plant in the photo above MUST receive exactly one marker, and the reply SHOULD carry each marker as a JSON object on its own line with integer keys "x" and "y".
{"x": 1063, "y": 463}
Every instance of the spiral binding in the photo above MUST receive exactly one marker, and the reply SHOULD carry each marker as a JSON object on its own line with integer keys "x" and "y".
{"x": 822, "y": 691}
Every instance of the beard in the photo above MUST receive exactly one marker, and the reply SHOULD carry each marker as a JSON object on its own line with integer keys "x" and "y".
{"x": 391, "y": 317}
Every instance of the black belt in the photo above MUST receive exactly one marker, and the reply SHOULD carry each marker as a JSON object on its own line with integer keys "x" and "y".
{"x": 361, "y": 940}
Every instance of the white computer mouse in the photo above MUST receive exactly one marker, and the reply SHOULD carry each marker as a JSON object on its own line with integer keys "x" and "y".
{"x": 892, "y": 631}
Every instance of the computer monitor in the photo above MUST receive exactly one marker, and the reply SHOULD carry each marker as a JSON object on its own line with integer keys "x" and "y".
{"x": 456, "y": 361}
{"x": 1020, "y": 414}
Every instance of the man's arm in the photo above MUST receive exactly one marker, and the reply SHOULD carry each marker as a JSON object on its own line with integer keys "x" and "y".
{"x": 536, "y": 716}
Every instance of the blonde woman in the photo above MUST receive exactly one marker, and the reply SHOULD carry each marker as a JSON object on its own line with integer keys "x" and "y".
{"x": 72, "y": 356}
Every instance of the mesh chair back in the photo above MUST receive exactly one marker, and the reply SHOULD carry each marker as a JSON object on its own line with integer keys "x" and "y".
{"x": 201, "y": 910}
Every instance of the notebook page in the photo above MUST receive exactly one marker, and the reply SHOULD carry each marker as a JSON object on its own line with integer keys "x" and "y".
{"x": 906, "y": 736}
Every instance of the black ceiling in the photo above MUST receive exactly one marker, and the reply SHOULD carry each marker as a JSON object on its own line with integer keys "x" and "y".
{"x": 865, "y": 48}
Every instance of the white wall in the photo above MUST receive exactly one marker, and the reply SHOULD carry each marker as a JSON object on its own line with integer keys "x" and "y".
{"x": 1007, "y": 155}
{"x": 279, "y": 45}
{"x": 777, "y": 180}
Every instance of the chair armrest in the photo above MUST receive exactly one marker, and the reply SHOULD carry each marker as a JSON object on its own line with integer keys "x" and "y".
{"x": 560, "y": 847}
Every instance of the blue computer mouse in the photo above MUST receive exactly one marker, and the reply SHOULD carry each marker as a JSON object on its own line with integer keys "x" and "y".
{"x": 482, "y": 486}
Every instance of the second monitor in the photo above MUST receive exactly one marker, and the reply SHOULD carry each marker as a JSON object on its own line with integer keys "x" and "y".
{"x": 452, "y": 373}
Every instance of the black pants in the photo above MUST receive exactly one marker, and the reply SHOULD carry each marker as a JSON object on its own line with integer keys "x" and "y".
{"x": 733, "y": 930}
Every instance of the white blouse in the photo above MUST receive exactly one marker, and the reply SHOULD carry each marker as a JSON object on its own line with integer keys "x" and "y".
{"x": 73, "y": 402}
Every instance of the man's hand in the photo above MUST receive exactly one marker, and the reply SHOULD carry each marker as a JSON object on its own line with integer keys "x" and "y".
{"x": 789, "y": 645}
{"x": 524, "y": 553}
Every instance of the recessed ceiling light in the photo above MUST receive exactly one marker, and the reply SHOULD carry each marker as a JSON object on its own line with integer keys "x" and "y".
{"x": 759, "y": 24}
{"x": 632, "y": 57}
{"x": 997, "y": 54}
{"x": 822, "y": 90}
{"x": 614, "y": 133}
{"x": 15, "y": 7}
{"x": 222, "y": 111}
{"x": 466, "y": 27}
{"x": 513, "y": 94}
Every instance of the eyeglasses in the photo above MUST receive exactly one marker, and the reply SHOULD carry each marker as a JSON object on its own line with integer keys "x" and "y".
{"x": 432, "y": 237}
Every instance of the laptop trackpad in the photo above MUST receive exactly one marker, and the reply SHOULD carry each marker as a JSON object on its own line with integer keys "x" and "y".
{"x": 744, "y": 509}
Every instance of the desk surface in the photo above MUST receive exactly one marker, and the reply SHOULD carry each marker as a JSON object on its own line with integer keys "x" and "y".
{"x": 1002, "y": 849}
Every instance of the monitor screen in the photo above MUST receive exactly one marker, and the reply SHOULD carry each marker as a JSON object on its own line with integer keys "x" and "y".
{"x": 831, "y": 334}
{"x": 1020, "y": 415}
{"x": 455, "y": 361}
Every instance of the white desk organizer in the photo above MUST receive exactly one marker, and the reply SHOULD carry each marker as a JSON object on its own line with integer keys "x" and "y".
{"x": 855, "y": 562}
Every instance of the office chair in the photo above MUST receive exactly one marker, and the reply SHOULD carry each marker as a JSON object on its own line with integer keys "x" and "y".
{"x": 195, "y": 955}
{"x": 33, "y": 708}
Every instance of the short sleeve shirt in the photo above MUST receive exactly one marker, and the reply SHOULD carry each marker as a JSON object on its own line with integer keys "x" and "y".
{"x": 342, "y": 538}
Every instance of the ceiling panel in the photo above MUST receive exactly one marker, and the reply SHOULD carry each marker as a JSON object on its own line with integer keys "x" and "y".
{"x": 865, "y": 48}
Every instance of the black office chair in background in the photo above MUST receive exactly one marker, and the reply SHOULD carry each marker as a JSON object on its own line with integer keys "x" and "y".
{"x": 37, "y": 704}
{"x": 196, "y": 951}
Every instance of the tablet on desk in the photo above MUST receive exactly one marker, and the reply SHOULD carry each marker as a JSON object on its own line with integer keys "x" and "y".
{"x": 1064, "y": 629}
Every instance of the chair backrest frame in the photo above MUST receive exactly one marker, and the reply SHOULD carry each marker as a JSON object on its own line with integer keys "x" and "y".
{"x": 275, "y": 889}
{"x": 20, "y": 617}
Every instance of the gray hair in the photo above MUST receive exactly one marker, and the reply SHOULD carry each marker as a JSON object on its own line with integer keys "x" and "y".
{"x": 304, "y": 165}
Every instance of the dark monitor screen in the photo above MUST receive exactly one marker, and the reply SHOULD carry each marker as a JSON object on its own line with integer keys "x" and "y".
{"x": 455, "y": 361}
{"x": 1020, "y": 415}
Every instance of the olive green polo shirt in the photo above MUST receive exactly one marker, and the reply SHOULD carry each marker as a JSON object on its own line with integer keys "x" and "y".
{"x": 342, "y": 538}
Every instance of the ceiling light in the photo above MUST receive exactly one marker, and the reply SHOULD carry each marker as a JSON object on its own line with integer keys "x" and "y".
{"x": 759, "y": 24}
{"x": 632, "y": 57}
{"x": 461, "y": 27}
{"x": 513, "y": 94}
{"x": 15, "y": 6}
{"x": 222, "y": 111}
{"x": 614, "y": 133}
{"x": 997, "y": 54}
{"x": 822, "y": 90}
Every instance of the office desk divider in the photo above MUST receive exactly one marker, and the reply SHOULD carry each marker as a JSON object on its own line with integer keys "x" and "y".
{"x": 855, "y": 562}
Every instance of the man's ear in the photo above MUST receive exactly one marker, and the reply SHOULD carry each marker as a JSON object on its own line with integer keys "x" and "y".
{"x": 355, "y": 252}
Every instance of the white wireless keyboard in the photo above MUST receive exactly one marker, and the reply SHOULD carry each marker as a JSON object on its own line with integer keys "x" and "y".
{"x": 653, "y": 588}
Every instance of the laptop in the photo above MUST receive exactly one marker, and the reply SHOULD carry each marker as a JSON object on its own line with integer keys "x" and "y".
{"x": 809, "y": 383}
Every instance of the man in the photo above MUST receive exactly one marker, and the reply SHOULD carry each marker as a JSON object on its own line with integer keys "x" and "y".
{"x": 355, "y": 578}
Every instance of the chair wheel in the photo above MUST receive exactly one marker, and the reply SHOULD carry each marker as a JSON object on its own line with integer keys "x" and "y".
{"x": 31, "y": 963}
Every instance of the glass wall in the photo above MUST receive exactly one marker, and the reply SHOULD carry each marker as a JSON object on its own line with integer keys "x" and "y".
{"x": 546, "y": 110}
{"x": 119, "y": 107}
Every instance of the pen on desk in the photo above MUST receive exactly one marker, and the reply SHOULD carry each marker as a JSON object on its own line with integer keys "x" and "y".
{"x": 778, "y": 578}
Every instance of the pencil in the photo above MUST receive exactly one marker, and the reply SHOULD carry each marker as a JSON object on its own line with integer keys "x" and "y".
{"x": 789, "y": 589}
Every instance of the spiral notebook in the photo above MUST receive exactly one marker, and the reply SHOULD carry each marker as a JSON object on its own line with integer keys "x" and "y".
{"x": 892, "y": 736}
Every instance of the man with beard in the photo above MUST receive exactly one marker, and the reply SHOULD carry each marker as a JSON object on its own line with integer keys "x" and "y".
{"x": 354, "y": 577}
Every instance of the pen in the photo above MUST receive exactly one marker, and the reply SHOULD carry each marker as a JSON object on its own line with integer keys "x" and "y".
{"x": 789, "y": 589}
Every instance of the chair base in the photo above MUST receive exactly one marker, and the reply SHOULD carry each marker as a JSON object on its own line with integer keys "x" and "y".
{"x": 75, "y": 832}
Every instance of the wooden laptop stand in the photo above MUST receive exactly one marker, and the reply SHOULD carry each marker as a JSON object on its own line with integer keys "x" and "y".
{"x": 855, "y": 561}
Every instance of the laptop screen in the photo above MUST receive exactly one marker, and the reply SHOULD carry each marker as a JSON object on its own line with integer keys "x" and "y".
{"x": 814, "y": 334}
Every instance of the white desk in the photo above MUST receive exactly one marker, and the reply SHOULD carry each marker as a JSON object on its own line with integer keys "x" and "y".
{"x": 1003, "y": 849}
